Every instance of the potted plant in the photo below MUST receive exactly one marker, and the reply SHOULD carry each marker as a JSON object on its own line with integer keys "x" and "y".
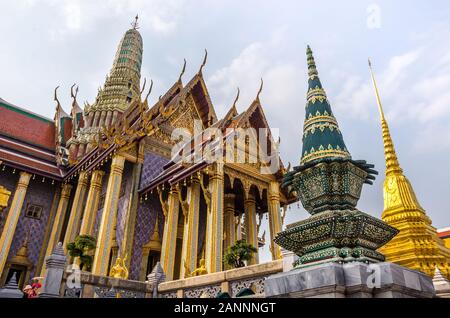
{"x": 239, "y": 253}
{"x": 82, "y": 247}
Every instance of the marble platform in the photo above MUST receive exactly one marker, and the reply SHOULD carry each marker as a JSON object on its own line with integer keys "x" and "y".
{"x": 351, "y": 280}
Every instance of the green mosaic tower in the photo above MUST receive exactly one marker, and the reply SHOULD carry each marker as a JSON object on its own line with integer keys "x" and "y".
{"x": 321, "y": 135}
{"x": 328, "y": 182}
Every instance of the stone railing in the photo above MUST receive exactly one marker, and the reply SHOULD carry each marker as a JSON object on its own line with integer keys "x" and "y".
{"x": 79, "y": 284}
{"x": 230, "y": 281}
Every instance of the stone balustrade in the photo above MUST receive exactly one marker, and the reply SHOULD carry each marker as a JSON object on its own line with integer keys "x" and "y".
{"x": 230, "y": 281}
{"x": 80, "y": 284}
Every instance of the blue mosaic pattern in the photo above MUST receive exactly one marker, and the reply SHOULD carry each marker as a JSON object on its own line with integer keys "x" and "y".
{"x": 145, "y": 225}
{"x": 124, "y": 202}
{"x": 42, "y": 194}
{"x": 152, "y": 167}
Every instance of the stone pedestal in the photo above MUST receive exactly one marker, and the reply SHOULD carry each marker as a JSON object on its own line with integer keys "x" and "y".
{"x": 55, "y": 266}
{"x": 351, "y": 280}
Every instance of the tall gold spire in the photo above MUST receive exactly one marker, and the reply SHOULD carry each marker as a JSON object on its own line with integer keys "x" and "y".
{"x": 417, "y": 246}
{"x": 392, "y": 165}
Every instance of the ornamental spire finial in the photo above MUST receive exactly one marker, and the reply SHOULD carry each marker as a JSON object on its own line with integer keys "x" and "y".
{"x": 392, "y": 165}
{"x": 135, "y": 24}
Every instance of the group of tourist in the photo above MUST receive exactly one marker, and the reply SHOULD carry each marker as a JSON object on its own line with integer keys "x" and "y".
{"x": 31, "y": 291}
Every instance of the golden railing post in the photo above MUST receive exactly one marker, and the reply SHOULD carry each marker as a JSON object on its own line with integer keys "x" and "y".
{"x": 92, "y": 201}
{"x": 250, "y": 225}
{"x": 13, "y": 217}
{"x": 105, "y": 233}
{"x": 169, "y": 242}
{"x": 229, "y": 220}
{"x": 214, "y": 223}
{"x": 275, "y": 223}
{"x": 190, "y": 234}
{"x": 76, "y": 210}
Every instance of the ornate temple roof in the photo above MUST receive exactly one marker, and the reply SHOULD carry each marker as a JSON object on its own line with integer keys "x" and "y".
{"x": 27, "y": 140}
{"x": 322, "y": 137}
{"x": 123, "y": 82}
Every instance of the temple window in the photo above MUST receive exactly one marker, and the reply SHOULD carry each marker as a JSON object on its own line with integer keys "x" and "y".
{"x": 33, "y": 211}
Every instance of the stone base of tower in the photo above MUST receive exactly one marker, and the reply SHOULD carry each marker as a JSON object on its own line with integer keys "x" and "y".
{"x": 351, "y": 280}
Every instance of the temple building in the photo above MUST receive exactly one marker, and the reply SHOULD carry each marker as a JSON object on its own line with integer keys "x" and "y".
{"x": 418, "y": 245}
{"x": 108, "y": 170}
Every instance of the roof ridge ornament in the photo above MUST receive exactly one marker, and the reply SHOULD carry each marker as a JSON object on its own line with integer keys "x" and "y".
{"x": 182, "y": 71}
{"x": 204, "y": 61}
{"x": 260, "y": 90}
{"x": 135, "y": 24}
{"x": 237, "y": 97}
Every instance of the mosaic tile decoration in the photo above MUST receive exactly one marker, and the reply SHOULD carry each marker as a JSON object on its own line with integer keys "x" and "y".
{"x": 124, "y": 201}
{"x": 145, "y": 225}
{"x": 38, "y": 193}
{"x": 152, "y": 167}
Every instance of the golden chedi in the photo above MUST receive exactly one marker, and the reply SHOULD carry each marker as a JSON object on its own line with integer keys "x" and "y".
{"x": 417, "y": 246}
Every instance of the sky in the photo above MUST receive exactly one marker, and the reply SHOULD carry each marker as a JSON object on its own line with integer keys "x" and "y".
{"x": 46, "y": 43}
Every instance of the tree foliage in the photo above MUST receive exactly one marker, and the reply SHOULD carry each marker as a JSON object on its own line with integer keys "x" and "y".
{"x": 239, "y": 253}
{"x": 83, "y": 247}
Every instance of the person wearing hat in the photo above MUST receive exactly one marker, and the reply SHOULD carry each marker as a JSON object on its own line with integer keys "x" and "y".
{"x": 28, "y": 290}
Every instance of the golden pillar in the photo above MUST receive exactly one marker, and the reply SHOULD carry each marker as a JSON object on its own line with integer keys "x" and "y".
{"x": 274, "y": 217}
{"x": 77, "y": 209}
{"x": 214, "y": 221}
{"x": 229, "y": 221}
{"x": 169, "y": 242}
{"x": 105, "y": 233}
{"x": 190, "y": 233}
{"x": 251, "y": 233}
{"x": 58, "y": 223}
{"x": 13, "y": 217}
{"x": 92, "y": 201}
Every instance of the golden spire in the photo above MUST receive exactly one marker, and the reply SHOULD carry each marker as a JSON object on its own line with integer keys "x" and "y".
{"x": 392, "y": 165}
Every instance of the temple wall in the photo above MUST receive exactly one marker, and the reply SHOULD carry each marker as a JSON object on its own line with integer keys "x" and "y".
{"x": 38, "y": 193}
{"x": 147, "y": 212}
{"x": 145, "y": 226}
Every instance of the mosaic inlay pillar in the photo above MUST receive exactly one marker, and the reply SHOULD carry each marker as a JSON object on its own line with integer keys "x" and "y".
{"x": 214, "y": 222}
{"x": 251, "y": 233}
{"x": 92, "y": 201}
{"x": 58, "y": 223}
{"x": 106, "y": 229}
{"x": 77, "y": 210}
{"x": 190, "y": 233}
{"x": 274, "y": 217}
{"x": 229, "y": 221}
{"x": 169, "y": 242}
{"x": 13, "y": 217}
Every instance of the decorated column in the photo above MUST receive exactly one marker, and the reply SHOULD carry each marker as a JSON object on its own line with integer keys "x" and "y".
{"x": 214, "y": 222}
{"x": 105, "y": 233}
{"x": 77, "y": 210}
{"x": 250, "y": 225}
{"x": 190, "y": 234}
{"x": 229, "y": 221}
{"x": 13, "y": 217}
{"x": 169, "y": 242}
{"x": 58, "y": 223}
{"x": 274, "y": 217}
{"x": 92, "y": 201}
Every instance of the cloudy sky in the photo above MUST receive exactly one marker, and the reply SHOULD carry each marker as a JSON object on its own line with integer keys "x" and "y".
{"x": 46, "y": 43}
